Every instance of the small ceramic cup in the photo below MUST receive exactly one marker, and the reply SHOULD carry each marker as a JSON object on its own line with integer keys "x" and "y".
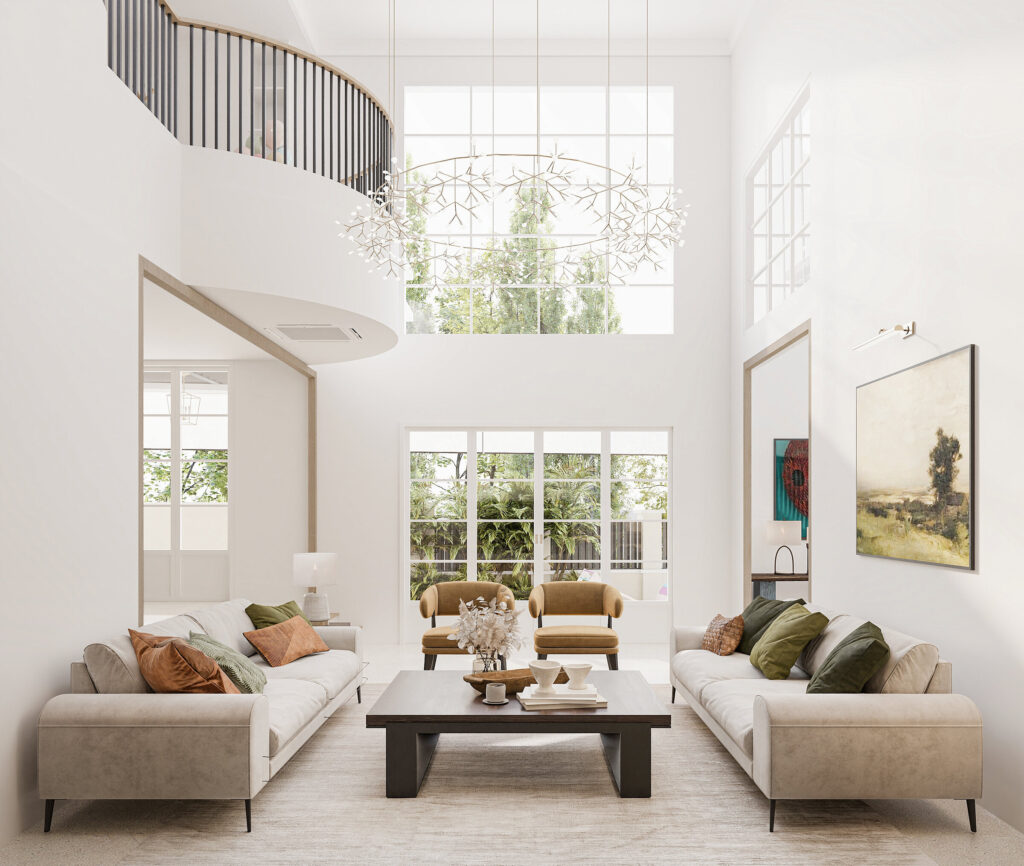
{"x": 544, "y": 672}
{"x": 577, "y": 674}
{"x": 495, "y": 692}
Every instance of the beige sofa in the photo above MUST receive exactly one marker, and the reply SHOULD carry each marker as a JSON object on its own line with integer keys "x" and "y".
{"x": 905, "y": 736}
{"x": 113, "y": 738}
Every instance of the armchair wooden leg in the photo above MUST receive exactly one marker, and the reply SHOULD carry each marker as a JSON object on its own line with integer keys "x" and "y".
{"x": 972, "y": 815}
{"x": 504, "y": 663}
{"x": 48, "y": 817}
{"x": 541, "y": 656}
{"x": 613, "y": 661}
{"x": 771, "y": 816}
{"x": 248, "y": 816}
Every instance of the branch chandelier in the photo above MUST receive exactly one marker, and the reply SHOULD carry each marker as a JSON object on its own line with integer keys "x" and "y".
{"x": 632, "y": 226}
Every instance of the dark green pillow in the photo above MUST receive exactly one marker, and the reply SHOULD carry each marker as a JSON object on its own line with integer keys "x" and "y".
{"x": 263, "y": 615}
{"x": 855, "y": 660}
{"x": 776, "y": 651}
{"x": 240, "y": 670}
{"x": 757, "y": 616}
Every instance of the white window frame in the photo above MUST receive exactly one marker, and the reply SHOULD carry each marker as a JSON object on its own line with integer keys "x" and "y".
{"x": 474, "y": 238}
{"x": 756, "y": 218}
{"x": 175, "y": 505}
{"x": 539, "y": 560}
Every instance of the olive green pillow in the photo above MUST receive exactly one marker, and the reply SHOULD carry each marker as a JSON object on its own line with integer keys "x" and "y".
{"x": 757, "y": 616}
{"x": 855, "y": 660}
{"x": 263, "y": 615}
{"x": 239, "y": 669}
{"x": 776, "y": 651}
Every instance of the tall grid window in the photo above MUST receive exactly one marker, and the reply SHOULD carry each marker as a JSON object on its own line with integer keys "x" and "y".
{"x": 185, "y": 459}
{"x": 520, "y": 507}
{"x": 779, "y": 230}
{"x": 515, "y": 280}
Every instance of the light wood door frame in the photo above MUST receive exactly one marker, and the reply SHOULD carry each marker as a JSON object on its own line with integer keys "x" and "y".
{"x": 198, "y": 301}
{"x": 780, "y": 345}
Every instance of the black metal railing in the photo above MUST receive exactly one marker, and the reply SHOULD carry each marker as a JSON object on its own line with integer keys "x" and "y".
{"x": 219, "y": 88}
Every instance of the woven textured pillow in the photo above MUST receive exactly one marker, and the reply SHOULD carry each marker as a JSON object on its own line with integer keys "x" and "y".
{"x": 723, "y": 635}
{"x": 169, "y": 664}
{"x": 240, "y": 669}
{"x": 287, "y": 641}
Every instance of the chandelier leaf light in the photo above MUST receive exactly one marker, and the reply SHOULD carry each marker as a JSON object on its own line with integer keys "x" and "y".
{"x": 633, "y": 226}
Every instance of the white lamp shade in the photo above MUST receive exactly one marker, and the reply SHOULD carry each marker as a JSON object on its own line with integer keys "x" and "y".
{"x": 784, "y": 531}
{"x": 315, "y": 569}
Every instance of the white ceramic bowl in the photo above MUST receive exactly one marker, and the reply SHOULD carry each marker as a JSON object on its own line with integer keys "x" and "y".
{"x": 577, "y": 673}
{"x": 544, "y": 672}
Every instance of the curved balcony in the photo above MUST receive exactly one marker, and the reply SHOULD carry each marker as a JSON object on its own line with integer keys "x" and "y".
{"x": 317, "y": 143}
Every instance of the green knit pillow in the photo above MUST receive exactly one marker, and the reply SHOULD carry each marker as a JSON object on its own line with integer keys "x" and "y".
{"x": 240, "y": 670}
{"x": 757, "y": 616}
{"x": 263, "y": 615}
{"x": 855, "y": 660}
{"x": 776, "y": 651}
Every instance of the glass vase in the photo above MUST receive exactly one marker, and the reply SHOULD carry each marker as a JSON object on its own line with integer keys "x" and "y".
{"x": 486, "y": 662}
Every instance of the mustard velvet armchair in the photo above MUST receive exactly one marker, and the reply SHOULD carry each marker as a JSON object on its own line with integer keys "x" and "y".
{"x": 442, "y": 599}
{"x": 575, "y": 598}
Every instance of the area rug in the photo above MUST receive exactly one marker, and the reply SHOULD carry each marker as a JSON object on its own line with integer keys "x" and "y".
{"x": 544, "y": 799}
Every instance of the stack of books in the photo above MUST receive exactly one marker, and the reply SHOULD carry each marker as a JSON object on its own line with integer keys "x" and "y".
{"x": 564, "y": 698}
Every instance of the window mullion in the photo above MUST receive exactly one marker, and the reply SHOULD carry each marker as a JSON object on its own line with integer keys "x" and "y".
{"x": 471, "y": 510}
{"x": 606, "y": 504}
{"x": 538, "y": 508}
{"x": 175, "y": 483}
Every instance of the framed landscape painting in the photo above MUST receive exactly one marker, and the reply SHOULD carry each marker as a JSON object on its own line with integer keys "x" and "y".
{"x": 915, "y": 463}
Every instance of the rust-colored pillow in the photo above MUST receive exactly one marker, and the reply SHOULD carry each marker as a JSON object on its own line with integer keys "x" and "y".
{"x": 723, "y": 635}
{"x": 170, "y": 664}
{"x": 286, "y": 641}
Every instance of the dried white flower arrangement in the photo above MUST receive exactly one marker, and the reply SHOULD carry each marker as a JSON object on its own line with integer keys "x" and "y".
{"x": 487, "y": 628}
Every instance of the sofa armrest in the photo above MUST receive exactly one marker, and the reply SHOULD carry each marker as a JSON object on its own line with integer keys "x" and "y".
{"x": 153, "y": 747}
{"x": 685, "y": 637}
{"x": 342, "y": 637}
{"x": 867, "y": 746}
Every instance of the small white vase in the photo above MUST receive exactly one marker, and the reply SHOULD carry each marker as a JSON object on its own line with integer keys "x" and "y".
{"x": 545, "y": 672}
{"x": 577, "y": 675}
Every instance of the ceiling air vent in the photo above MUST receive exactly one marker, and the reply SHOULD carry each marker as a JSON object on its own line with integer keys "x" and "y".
{"x": 313, "y": 333}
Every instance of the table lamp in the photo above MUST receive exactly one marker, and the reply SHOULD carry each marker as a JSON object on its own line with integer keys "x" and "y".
{"x": 784, "y": 533}
{"x": 315, "y": 571}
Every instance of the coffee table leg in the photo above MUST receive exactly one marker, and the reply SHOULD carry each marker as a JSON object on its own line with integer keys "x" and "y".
{"x": 629, "y": 758}
{"x": 408, "y": 756}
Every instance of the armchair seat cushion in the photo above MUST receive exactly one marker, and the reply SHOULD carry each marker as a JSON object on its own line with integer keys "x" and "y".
{"x": 437, "y": 638}
{"x": 555, "y": 637}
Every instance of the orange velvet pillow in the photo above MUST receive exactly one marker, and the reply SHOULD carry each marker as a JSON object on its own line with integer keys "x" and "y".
{"x": 286, "y": 641}
{"x": 170, "y": 664}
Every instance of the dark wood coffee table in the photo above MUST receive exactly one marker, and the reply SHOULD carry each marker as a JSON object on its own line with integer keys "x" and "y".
{"x": 418, "y": 706}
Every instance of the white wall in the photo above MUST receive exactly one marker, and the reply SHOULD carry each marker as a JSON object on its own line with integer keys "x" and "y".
{"x": 917, "y": 213}
{"x": 267, "y": 479}
{"x": 499, "y": 380}
{"x": 778, "y": 410}
{"x": 88, "y": 180}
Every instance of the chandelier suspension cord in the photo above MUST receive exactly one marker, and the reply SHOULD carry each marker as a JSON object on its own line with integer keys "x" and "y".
{"x": 536, "y": 161}
{"x": 647, "y": 97}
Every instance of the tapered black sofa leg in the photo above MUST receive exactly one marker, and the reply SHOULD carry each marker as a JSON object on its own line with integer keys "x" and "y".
{"x": 359, "y": 694}
{"x": 248, "y": 816}
{"x": 48, "y": 817}
{"x": 771, "y": 816}
{"x": 673, "y": 694}
{"x": 972, "y": 815}
{"x": 613, "y": 661}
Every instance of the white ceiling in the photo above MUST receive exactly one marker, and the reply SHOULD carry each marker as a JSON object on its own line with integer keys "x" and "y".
{"x": 334, "y": 28}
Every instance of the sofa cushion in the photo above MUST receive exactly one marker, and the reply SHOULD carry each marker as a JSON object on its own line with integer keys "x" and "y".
{"x": 859, "y": 655}
{"x": 112, "y": 664}
{"x": 172, "y": 665}
{"x": 757, "y": 616}
{"x": 777, "y": 650}
{"x": 731, "y": 704}
{"x": 697, "y": 669}
{"x": 332, "y": 670}
{"x": 287, "y": 641}
{"x": 293, "y": 704}
{"x": 723, "y": 635}
{"x": 240, "y": 669}
{"x": 226, "y": 622}
{"x": 839, "y": 627}
{"x": 556, "y": 637}
{"x": 909, "y": 668}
